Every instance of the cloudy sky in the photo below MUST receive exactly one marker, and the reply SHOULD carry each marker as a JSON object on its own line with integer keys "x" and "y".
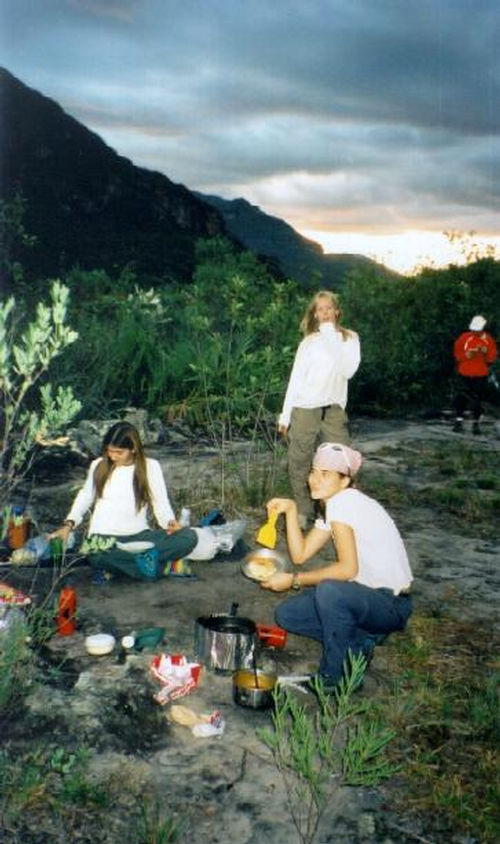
{"x": 370, "y": 125}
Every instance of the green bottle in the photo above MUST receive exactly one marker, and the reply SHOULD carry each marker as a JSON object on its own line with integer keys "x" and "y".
{"x": 56, "y": 551}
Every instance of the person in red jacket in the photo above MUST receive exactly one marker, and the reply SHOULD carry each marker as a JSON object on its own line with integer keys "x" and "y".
{"x": 474, "y": 351}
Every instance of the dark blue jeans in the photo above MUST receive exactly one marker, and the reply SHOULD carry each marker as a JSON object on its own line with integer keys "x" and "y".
{"x": 170, "y": 546}
{"x": 341, "y": 615}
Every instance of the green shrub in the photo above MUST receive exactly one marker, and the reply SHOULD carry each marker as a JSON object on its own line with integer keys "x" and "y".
{"x": 214, "y": 346}
{"x": 26, "y": 353}
{"x": 342, "y": 740}
{"x": 16, "y": 664}
{"x": 407, "y": 328}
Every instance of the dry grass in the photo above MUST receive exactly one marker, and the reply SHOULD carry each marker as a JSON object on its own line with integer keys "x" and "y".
{"x": 444, "y": 703}
{"x": 461, "y": 484}
{"x": 443, "y": 695}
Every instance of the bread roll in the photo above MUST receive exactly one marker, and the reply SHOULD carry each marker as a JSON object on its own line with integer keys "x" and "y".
{"x": 260, "y": 568}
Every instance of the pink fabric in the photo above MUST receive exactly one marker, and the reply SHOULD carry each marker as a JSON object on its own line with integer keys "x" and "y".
{"x": 338, "y": 458}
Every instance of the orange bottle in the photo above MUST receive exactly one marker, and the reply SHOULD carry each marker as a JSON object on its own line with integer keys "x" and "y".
{"x": 66, "y": 612}
{"x": 18, "y": 529}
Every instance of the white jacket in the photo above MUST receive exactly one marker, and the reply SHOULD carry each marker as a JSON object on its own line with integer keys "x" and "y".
{"x": 115, "y": 512}
{"x": 322, "y": 367}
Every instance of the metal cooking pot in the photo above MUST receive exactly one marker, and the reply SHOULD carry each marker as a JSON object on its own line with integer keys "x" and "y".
{"x": 225, "y": 642}
{"x": 254, "y": 689}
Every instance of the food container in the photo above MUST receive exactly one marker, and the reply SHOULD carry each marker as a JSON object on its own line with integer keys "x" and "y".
{"x": 149, "y": 638}
{"x": 272, "y": 562}
{"x": 18, "y": 529}
{"x": 271, "y": 636}
{"x": 66, "y": 612}
{"x": 254, "y": 689}
{"x": 100, "y": 644}
{"x": 225, "y": 642}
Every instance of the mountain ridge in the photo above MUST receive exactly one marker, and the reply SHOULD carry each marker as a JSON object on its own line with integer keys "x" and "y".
{"x": 89, "y": 206}
{"x": 273, "y": 237}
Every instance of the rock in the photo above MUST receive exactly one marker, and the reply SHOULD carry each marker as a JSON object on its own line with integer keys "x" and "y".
{"x": 178, "y": 432}
{"x": 88, "y": 437}
{"x": 139, "y": 419}
{"x": 367, "y": 825}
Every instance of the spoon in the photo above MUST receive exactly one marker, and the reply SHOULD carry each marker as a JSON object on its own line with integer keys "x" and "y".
{"x": 255, "y": 674}
{"x": 267, "y": 535}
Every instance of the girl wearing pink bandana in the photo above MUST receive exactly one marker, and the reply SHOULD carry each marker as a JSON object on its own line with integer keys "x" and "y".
{"x": 362, "y": 594}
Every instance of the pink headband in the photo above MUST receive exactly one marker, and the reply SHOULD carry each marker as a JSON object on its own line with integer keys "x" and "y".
{"x": 338, "y": 457}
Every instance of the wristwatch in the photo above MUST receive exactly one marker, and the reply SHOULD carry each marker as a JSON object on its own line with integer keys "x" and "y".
{"x": 295, "y": 585}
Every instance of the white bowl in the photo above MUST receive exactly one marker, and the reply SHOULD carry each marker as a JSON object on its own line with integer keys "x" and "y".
{"x": 135, "y": 547}
{"x": 100, "y": 644}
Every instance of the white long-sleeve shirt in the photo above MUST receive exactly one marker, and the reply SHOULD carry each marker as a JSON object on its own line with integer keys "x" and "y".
{"x": 323, "y": 364}
{"x": 115, "y": 512}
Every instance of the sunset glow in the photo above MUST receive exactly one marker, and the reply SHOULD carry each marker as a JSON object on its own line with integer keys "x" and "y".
{"x": 370, "y": 128}
{"x": 408, "y": 251}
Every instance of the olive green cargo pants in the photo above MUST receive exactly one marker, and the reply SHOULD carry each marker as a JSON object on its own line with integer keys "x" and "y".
{"x": 308, "y": 429}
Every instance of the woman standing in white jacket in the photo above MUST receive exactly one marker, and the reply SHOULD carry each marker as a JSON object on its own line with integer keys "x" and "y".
{"x": 316, "y": 397}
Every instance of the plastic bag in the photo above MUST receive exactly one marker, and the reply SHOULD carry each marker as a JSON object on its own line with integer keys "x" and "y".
{"x": 177, "y": 676}
{"x": 216, "y": 538}
{"x": 201, "y": 726}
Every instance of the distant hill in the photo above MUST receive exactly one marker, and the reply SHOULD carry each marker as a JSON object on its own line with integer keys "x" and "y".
{"x": 89, "y": 206}
{"x": 86, "y": 204}
{"x": 296, "y": 256}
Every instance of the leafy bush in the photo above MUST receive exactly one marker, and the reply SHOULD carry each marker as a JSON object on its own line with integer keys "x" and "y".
{"x": 242, "y": 328}
{"x": 342, "y": 740}
{"x": 407, "y": 328}
{"x": 16, "y": 663}
{"x": 220, "y": 347}
{"x": 213, "y": 348}
{"x": 26, "y": 353}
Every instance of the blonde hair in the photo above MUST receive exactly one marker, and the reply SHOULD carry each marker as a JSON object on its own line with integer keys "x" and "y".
{"x": 310, "y": 324}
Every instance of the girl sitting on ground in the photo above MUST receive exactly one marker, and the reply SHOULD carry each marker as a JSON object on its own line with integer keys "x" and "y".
{"x": 365, "y": 592}
{"x": 121, "y": 486}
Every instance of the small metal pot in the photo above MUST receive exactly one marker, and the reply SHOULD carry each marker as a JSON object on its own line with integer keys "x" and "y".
{"x": 225, "y": 642}
{"x": 253, "y": 689}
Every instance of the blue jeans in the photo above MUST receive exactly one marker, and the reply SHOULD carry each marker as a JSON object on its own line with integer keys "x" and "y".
{"x": 170, "y": 546}
{"x": 342, "y": 615}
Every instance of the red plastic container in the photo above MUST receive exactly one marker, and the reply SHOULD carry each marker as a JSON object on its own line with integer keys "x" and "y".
{"x": 271, "y": 636}
{"x": 66, "y": 612}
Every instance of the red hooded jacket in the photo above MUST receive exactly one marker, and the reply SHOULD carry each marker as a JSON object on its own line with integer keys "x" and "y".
{"x": 474, "y": 351}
